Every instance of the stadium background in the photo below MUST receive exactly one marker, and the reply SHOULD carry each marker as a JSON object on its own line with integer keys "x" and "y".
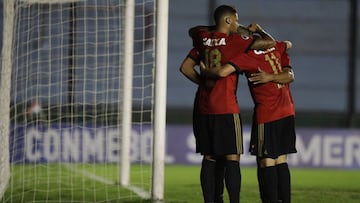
{"x": 324, "y": 57}
{"x": 319, "y": 31}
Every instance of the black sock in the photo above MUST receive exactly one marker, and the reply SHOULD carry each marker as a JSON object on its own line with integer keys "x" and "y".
{"x": 233, "y": 180}
{"x": 260, "y": 181}
{"x": 269, "y": 175}
{"x": 219, "y": 180}
{"x": 284, "y": 187}
{"x": 207, "y": 179}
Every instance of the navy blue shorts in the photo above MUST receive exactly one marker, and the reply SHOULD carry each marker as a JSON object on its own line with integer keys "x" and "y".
{"x": 218, "y": 135}
{"x": 272, "y": 139}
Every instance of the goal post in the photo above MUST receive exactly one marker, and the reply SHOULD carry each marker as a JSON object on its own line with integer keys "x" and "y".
{"x": 127, "y": 98}
{"x": 6, "y": 67}
{"x": 83, "y": 100}
{"x": 160, "y": 99}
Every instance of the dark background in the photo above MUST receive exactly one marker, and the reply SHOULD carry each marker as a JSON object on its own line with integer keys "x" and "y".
{"x": 325, "y": 58}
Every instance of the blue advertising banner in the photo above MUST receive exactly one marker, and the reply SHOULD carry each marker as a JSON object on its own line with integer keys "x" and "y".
{"x": 333, "y": 148}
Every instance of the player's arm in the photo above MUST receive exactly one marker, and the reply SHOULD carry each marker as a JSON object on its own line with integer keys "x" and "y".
{"x": 218, "y": 72}
{"x": 187, "y": 67}
{"x": 263, "y": 42}
{"x": 286, "y": 76}
{"x": 288, "y": 45}
{"x": 240, "y": 63}
{"x": 194, "y": 30}
{"x": 288, "y": 73}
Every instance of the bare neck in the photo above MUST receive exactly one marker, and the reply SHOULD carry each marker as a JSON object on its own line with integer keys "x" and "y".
{"x": 222, "y": 29}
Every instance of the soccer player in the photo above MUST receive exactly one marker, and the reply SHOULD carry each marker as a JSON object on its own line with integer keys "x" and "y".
{"x": 216, "y": 122}
{"x": 273, "y": 131}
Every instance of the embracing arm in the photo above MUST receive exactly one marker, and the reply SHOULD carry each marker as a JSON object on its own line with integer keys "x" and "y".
{"x": 187, "y": 68}
{"x": 218, "y": 72}
{"x": 265, "y": 40}
{"x": 284, "y": 77}
{"x": 194, "y": 30}
{"x": 240, "y": 63}
{"x": 288, "y": 45}
{"x": 287, "y": 76}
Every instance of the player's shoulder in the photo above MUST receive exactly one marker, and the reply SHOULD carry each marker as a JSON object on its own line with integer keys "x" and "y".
{"x": 283, "y": 45}
{"x": 242, "y": 42}
{"x": 200, "y": 34}
{"x": 240, "y": 37}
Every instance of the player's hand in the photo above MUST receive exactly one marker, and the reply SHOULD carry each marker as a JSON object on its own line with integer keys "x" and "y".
{"x": 260, "y": 77}
{"x": 203, "y": 68}
{"x": 202, "y": 65}
{"x": 208, "y": 83}
{"x": 244, "y": 31}
{"x": 254, "y": 27}
{"x": 288, "y": 45}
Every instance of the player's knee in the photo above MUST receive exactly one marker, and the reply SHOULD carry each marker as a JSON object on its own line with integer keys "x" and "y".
{"x": 233, "y": 157}
{"x": 267, "y": 162}
{"x": 281, "y": 159}
{"x": 209, "y": 158}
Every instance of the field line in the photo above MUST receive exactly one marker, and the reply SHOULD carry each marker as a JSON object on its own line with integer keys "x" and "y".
{"x": 140, "y": 192}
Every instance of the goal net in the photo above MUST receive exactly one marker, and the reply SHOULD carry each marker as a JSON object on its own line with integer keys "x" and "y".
{"x": 78, "y": 76}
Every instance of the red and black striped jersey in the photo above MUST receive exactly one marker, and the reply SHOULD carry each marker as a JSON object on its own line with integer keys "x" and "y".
{"x": 272, "y": 101}
{"x": 216, "y": 49}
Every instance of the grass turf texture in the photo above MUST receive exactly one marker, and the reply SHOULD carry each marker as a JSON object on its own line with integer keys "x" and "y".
{"x": 32, "y": 183}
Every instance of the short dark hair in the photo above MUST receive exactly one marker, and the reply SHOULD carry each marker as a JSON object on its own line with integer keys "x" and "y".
{"x": 223, "y": 10}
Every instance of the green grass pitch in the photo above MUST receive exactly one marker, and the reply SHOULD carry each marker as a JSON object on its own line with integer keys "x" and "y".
{"x": 308, "y": 185}
{"x": 88, "y": 183}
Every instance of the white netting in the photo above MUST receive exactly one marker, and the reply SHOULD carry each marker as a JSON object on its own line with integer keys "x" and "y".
{"x": 66, "y": 101}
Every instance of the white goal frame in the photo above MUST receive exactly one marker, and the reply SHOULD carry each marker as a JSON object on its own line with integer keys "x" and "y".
{"x": 6, "y": 63}
{"x": 160, "y": 87}
{"x": 161, "y": 47}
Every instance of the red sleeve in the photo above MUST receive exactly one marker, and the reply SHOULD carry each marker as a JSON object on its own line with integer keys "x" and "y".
{"x": 197, "y": 39}
{"x": 285, "y": 59}
{"x": 245, "y": 42}
{"x": 244, "y": 63}
{"x": 194, "y": 55}
{"x": 281, "y": 46}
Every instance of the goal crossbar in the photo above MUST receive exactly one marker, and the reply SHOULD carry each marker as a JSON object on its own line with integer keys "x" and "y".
{"x": 50, "y": 1}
